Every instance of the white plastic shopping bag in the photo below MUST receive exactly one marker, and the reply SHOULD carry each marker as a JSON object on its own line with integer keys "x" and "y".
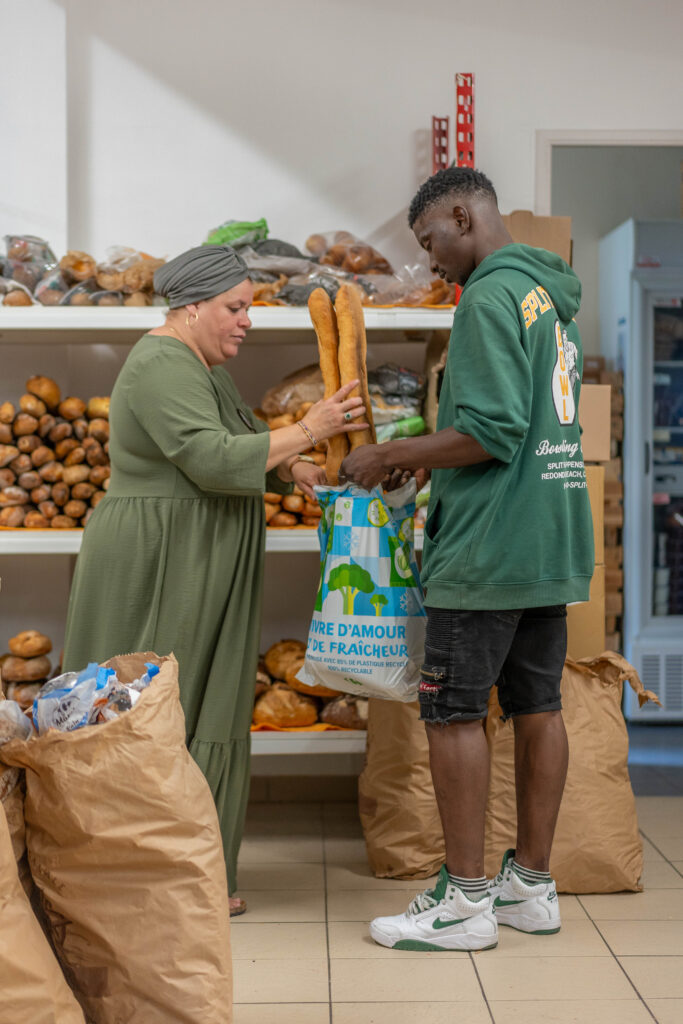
{"x": 367, "y": 630}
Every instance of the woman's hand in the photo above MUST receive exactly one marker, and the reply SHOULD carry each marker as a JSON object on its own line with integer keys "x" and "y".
{"x": 306, "y": 475}
{"x": 336, "y": 415}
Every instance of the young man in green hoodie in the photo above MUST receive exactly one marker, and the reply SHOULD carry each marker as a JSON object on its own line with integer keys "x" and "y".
{"x": 508, "y": 544}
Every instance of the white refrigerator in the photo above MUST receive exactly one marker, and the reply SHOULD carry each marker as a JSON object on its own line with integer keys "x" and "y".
{"x": 641, "y": 333}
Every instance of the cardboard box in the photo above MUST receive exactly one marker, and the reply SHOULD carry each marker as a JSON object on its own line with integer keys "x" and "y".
{"x": 552, "y": 233}
{"x": 586, "y": 622}
{"x": 595, "y": 478}
{"x": 595, "y": 418}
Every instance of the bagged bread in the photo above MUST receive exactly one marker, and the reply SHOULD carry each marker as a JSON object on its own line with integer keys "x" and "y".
{"x": 597, "y": 846}
{"x": 125, "y": 848}
{"x": 305, "y": 385}
{"x": 32, "y": 986}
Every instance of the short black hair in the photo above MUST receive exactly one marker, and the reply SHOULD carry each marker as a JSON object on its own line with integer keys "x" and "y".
{"x": 451, "y": 181}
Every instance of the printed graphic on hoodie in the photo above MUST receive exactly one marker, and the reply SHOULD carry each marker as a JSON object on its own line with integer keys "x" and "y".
{"x": 565, "y": 376}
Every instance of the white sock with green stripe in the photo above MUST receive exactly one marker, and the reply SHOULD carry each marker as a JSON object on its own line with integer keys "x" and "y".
{"x": 474, "y": 888}
{"x": 529, "y": 876}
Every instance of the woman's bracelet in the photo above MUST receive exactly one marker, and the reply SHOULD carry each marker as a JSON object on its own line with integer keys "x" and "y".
{"x": 309, "y": 435}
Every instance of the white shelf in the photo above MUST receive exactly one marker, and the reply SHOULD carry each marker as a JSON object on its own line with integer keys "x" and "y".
{"x": 350, "y": 741}
{"x": 120, "y": 325}
{"x": 68, "y": 542}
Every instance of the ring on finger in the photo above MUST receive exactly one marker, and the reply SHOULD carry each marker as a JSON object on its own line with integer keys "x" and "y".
{"x": 347, "y": 417}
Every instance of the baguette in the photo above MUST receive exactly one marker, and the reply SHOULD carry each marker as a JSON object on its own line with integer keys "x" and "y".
{"x": 325, "y": 325}
{"x": 353, "y": 357}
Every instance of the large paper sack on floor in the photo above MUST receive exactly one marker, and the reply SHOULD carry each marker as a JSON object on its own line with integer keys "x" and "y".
{"x": 32, "y": 986}
{"x": 124, "y": 845}
{"x": 397, "y": 805}
{"x": 597, "y": 845}
{"x": 367, "y": 630}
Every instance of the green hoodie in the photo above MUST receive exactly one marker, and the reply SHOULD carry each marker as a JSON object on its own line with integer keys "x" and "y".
{"x": 515, "y": 532}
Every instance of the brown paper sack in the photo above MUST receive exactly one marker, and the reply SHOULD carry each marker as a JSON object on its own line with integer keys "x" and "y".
{"x": 32, "y": 986}
{"x": 597, "y": 846}
{"x": 124, "y": 845}
{"x": 398, "y": 811}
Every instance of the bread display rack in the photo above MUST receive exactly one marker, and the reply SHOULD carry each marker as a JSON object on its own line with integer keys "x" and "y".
{"x": 270, "y": 325}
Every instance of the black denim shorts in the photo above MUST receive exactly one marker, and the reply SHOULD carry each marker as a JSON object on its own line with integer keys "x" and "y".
{"x": 522, "y": 651}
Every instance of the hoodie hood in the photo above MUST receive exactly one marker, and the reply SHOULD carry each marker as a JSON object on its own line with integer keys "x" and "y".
{"x": 543, "y": 267}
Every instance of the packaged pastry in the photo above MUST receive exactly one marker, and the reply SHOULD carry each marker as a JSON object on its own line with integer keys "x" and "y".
{"x": 52, "y": 288}
{"x": 81, "y": 294}
{"x": 29, "y": 248}
{"x": 78, "y": 266}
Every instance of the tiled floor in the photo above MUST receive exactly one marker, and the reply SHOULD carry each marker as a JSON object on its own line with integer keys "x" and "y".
{"x": 302, "y": 954}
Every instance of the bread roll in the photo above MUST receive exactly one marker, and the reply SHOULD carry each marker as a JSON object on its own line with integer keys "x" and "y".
{"x": 80, "y": 428}
{"x": 61, "y": 493}
{"x": 347, "y": 711}
{"x": 22, "y": 464}
{"x": 7, "y": 478}
{"x": 7, "y": 412}
{"x": 99, "y": 475}
{"x": 302, "y": 410}
{"x": 313, "y": 510}
{"x": 311, "y": 521}
{"x": 293, "y": 503}
{"x": 98, "y": 408}
{"x": 71, "y": 408}
{"x": 48, "y": 509}
{"x": 30, "y": 643}
{"x": 28, "y": 443}
{"x": 262, "y": 680}
{"x": 33, "y": 405}
{"x": 60, "y": 430}
{"x": 272, "y": 498}
{"x": 17, "y": 297}
{"x": 11, "y": 496}
{"x": 270, "y": 511}
{"x": 41, "y": 493}
{"x": 325, "y": 325}
{"x": 95, "y": 454}
{"x": 8, "y": 452}
{"x": 283, "y": 519}
{"x": 62, "y": 522}
{"x": 29, "y": 480}
{"x": 353, "y": 356}
{"x": 41, "y": 455}
{"x": 75, "y": 456}
{"x": 24, "y": 423}
{"x": 46, "y": 389}
{"x": 35, "y": 521}
{"x": 77, "y": 265}
{"x": 277, "y": 422}
{"x": 75, "y": 474}
{"x": 25, "y": 670}
{"x": 97, "y": 498}
{"x": 316, "y": 245}
{"x": 99, "y": 429}
{"x": 45, "y": 425}
{"x": 24, "y": 693}
{"x": 284, "y": 708}
{"x": 312, "y": 691}
{"x": 6, "y": 435}
{"x": 83, "y": 491}
{"x": 75, "y": 509}
{"x": 279, "y": 658}
{"x": 12, "y": 516}
{"x": 62, "y": 448}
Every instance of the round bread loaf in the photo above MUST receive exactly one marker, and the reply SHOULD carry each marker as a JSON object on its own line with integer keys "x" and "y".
{"x": 284, "y": 708}
{"x": 25, "y": 670}
{"x": 30, "y": 643}
{"x": 280, "y": 657}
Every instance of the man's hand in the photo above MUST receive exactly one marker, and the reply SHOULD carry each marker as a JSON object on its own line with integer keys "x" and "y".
{"x": 365, "y": 466}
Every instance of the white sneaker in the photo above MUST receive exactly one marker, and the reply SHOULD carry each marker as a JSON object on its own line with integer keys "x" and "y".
{"x": 441, "y": 918}
{"x": 528, "y": 908}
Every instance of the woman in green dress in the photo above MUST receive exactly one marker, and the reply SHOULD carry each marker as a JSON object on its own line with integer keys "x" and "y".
{"x": 173, "y": 557}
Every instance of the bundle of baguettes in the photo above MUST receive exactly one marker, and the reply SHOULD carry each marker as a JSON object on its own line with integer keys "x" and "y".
{"x": 342, "y": 345}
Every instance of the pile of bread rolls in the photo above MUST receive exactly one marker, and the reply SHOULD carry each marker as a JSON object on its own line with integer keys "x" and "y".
{"x": 54, "y": 458}
{"x": 25, "y": 667}
{"x": 291, "y": 510}
{"x": 282, "y": 701}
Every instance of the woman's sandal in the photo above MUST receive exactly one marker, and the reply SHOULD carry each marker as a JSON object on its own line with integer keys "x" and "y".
{"x": 237, "y": 906}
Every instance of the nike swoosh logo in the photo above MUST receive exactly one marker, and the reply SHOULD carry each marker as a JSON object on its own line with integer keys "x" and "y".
{"x": 438, "y": 923}
{"x": 498, "y": 902}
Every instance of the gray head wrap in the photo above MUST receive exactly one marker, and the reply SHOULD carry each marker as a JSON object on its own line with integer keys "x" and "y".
{"x": 199, "y": 274}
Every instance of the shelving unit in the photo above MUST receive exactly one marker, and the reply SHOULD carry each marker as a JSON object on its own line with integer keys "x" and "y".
{"x": 277, "y": 326}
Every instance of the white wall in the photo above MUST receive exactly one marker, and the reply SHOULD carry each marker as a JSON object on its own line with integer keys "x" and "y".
{"x": 600, "y": 187}
{"x": 313, "y": 112}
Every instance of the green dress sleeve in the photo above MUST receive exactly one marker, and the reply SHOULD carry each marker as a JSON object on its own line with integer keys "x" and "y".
{"x": 490, "y": 379}
{"x": 274, "y": 483}
{"x": 172, "y": 398}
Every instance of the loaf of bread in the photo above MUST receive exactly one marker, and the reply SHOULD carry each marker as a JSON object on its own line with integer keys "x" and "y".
{"x": 25, "y": 670}
{"x": 346, "y": 711}
{"x": 263, "y": 680}
{"x": 284, "y": 708}
{"x": 24, "y": 693}
{"x": 325, "y": 325}
{"x": 353, "y": 357}
{"x": 312, "y": 691}
{"x": 281, "y": 656}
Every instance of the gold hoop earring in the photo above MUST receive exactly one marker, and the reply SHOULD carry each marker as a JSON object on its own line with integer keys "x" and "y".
{"x": 191, "y": 323}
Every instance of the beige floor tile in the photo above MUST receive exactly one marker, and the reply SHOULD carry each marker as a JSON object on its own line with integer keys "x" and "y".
{"x": 281, "y": 981}
{"x": 678, "y": 867}
{"x": 410, "y": 1013}
{"x": 671, "y": 847}
{"x": 285, "y": 905}
{"x": 660, "y": 875}
{"x": 340, "y": 849}
{"x": 649, "y": 852}
{"x": 387, "y": 980}
{"x": 349, "y": 940}
{"x": 270, "y": 849}
{"x": 552, "y": 977}
{"x": 364, "y": 904}
{"x": 652, "y": 905}
{"x": 279, "y": 942}
{"x": 357, "y": 875}
{"x": 658, "y": 810}
{"x": 284, "y": 820}
{"x": 574, "y": 1011}
{"x": 571, "y": 909}
{"x": 655, "y": 977}
{"x": 350, "y": 829}
{"x": 577, "y": 938}
{"x": 667, "y": 1011}
{"x": 282, "y": 1013}
{"x": 283, "y": 875}
{"x": 643, "y": 938}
